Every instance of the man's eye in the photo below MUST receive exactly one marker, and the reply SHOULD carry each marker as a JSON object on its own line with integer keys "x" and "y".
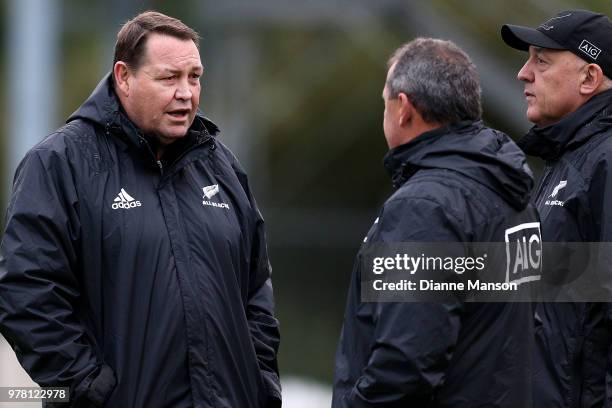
{"x": 195, "y": 76}
{"x": 169, "y": 77}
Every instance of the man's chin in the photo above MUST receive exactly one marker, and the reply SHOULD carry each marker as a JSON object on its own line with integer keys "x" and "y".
{"x": 176, "y": 132}
{"x": 533, "y": 117}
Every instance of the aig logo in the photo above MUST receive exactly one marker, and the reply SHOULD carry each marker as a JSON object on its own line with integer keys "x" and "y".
{"x": 589, "y": 49}
{"x": 523, "y": 253}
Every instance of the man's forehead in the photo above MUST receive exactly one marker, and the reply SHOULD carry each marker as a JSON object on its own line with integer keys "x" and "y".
{"x": 558, "y": 55}
{"x": 386, "y": 90}
{"x": 391, "y": 69}
{"x": 550, "y": 51}
{"x": 171, "y": 51}
{"x": 543, "y": 51}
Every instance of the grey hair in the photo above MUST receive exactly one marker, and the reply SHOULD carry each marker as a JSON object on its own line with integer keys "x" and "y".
{"x": 439, "y": 79}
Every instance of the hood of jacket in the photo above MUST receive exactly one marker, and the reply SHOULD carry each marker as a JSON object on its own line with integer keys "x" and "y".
{"x": 550, "y": 142}
{"x": 483, "y": 154}
{"x": 103, "y": 108}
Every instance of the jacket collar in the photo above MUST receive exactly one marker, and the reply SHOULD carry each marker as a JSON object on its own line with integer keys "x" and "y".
{"x": 550, "y": 142}
{"x": 485, "y": 155}
{"x": 403, "y": 161}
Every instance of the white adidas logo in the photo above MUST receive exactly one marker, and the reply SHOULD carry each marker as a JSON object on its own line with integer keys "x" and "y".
{"x": 124, "y": 200}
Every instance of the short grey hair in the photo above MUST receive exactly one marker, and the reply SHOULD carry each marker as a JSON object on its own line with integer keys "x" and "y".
{"x": 439, "y": 79}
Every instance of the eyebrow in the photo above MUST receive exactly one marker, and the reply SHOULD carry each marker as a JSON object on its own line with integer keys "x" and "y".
{"x": 178, "y": 71}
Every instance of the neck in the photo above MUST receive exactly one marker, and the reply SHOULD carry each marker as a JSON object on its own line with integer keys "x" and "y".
{"x": 159, "y": 151}
{"x": 416, "y": 129}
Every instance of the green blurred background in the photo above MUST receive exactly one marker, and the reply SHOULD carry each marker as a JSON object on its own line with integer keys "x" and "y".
{"x": 295, "y": 87}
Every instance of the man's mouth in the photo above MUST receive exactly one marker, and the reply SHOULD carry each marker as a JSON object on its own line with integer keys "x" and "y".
{"x": 529, "y": 94}
{"x": 178, "y": 113}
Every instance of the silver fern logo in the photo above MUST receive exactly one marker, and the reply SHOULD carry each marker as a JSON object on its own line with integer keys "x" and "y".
{"x": 209, "y": 193}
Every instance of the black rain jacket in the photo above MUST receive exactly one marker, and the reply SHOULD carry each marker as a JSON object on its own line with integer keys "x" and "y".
{"x": 138, "y": 283}
{"x": 462, "y": 183}
{"x": 573, "y": 361}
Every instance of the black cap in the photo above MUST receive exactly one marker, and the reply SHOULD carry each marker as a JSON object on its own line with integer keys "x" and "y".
{"x": 586, "y": 34}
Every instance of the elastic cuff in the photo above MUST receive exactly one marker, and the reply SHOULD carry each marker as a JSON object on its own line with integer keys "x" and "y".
{"x": 102, "y": 386}
{"x": 273, "y": 390}
{"x": 97, "y": 389}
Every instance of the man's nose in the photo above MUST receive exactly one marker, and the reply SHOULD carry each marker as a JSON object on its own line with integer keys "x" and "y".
{"x": 183, "y": 91}
{"x": 525, "y": 74}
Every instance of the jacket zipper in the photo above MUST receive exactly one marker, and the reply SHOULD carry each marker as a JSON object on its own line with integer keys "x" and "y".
{"x": 209, "y": 139}
{"x": 144, "y": 142}
{"x": 548, "y": 171}
{"x": 159, "y": 163}
{"x": 195, "y": 146}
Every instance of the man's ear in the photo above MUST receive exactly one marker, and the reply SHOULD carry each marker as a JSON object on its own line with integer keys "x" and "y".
{"x": 592, "y": 78}
{"x": 122, "y": 75}
{"x": 406, "y": 109}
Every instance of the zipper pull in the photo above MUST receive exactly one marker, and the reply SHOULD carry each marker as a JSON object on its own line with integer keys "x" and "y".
{"x": 160, "y": 165}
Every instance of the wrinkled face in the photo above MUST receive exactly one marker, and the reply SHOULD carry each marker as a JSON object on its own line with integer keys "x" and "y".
{"x": 164, "y": 92}
{"x": 391, "y": 117}
{"x": 552, "y": 84}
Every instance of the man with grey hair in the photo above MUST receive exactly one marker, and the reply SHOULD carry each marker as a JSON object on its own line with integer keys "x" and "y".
{"x": 568, "y": 92}
{"x": 457, "y": 181}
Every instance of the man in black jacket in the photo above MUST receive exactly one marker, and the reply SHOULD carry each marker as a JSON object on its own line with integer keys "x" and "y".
{"x": 457, "y": 182}
{"x": 567, "y": 88}
{"x": 134, "y": 267}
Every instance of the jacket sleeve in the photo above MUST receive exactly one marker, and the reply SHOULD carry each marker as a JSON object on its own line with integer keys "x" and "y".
{"x": 38, "y": 286}
{"x": 413, "y": 341}
{"x": 608, "y": 379}
{"x": 600, "y": 200}
{"x": 260, "y": 308}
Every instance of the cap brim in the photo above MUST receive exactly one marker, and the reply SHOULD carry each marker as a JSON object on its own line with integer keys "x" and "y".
{"x": 521, "y": 38}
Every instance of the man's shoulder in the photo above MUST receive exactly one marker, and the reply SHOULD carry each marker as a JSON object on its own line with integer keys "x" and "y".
{"x": 598, "y": 160}
{"x": 448, "y": 196}
{"x": 228, "y": 155}
{"x": 590, "y": 157}
{"x": 74, "y": 142}
{"x": 435, "y": 188}
{"x": 68, "y": 136}
{"x": 421, "y": 212}
{"x": 442, "y": 186}
{"x": 597, "y": 146}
